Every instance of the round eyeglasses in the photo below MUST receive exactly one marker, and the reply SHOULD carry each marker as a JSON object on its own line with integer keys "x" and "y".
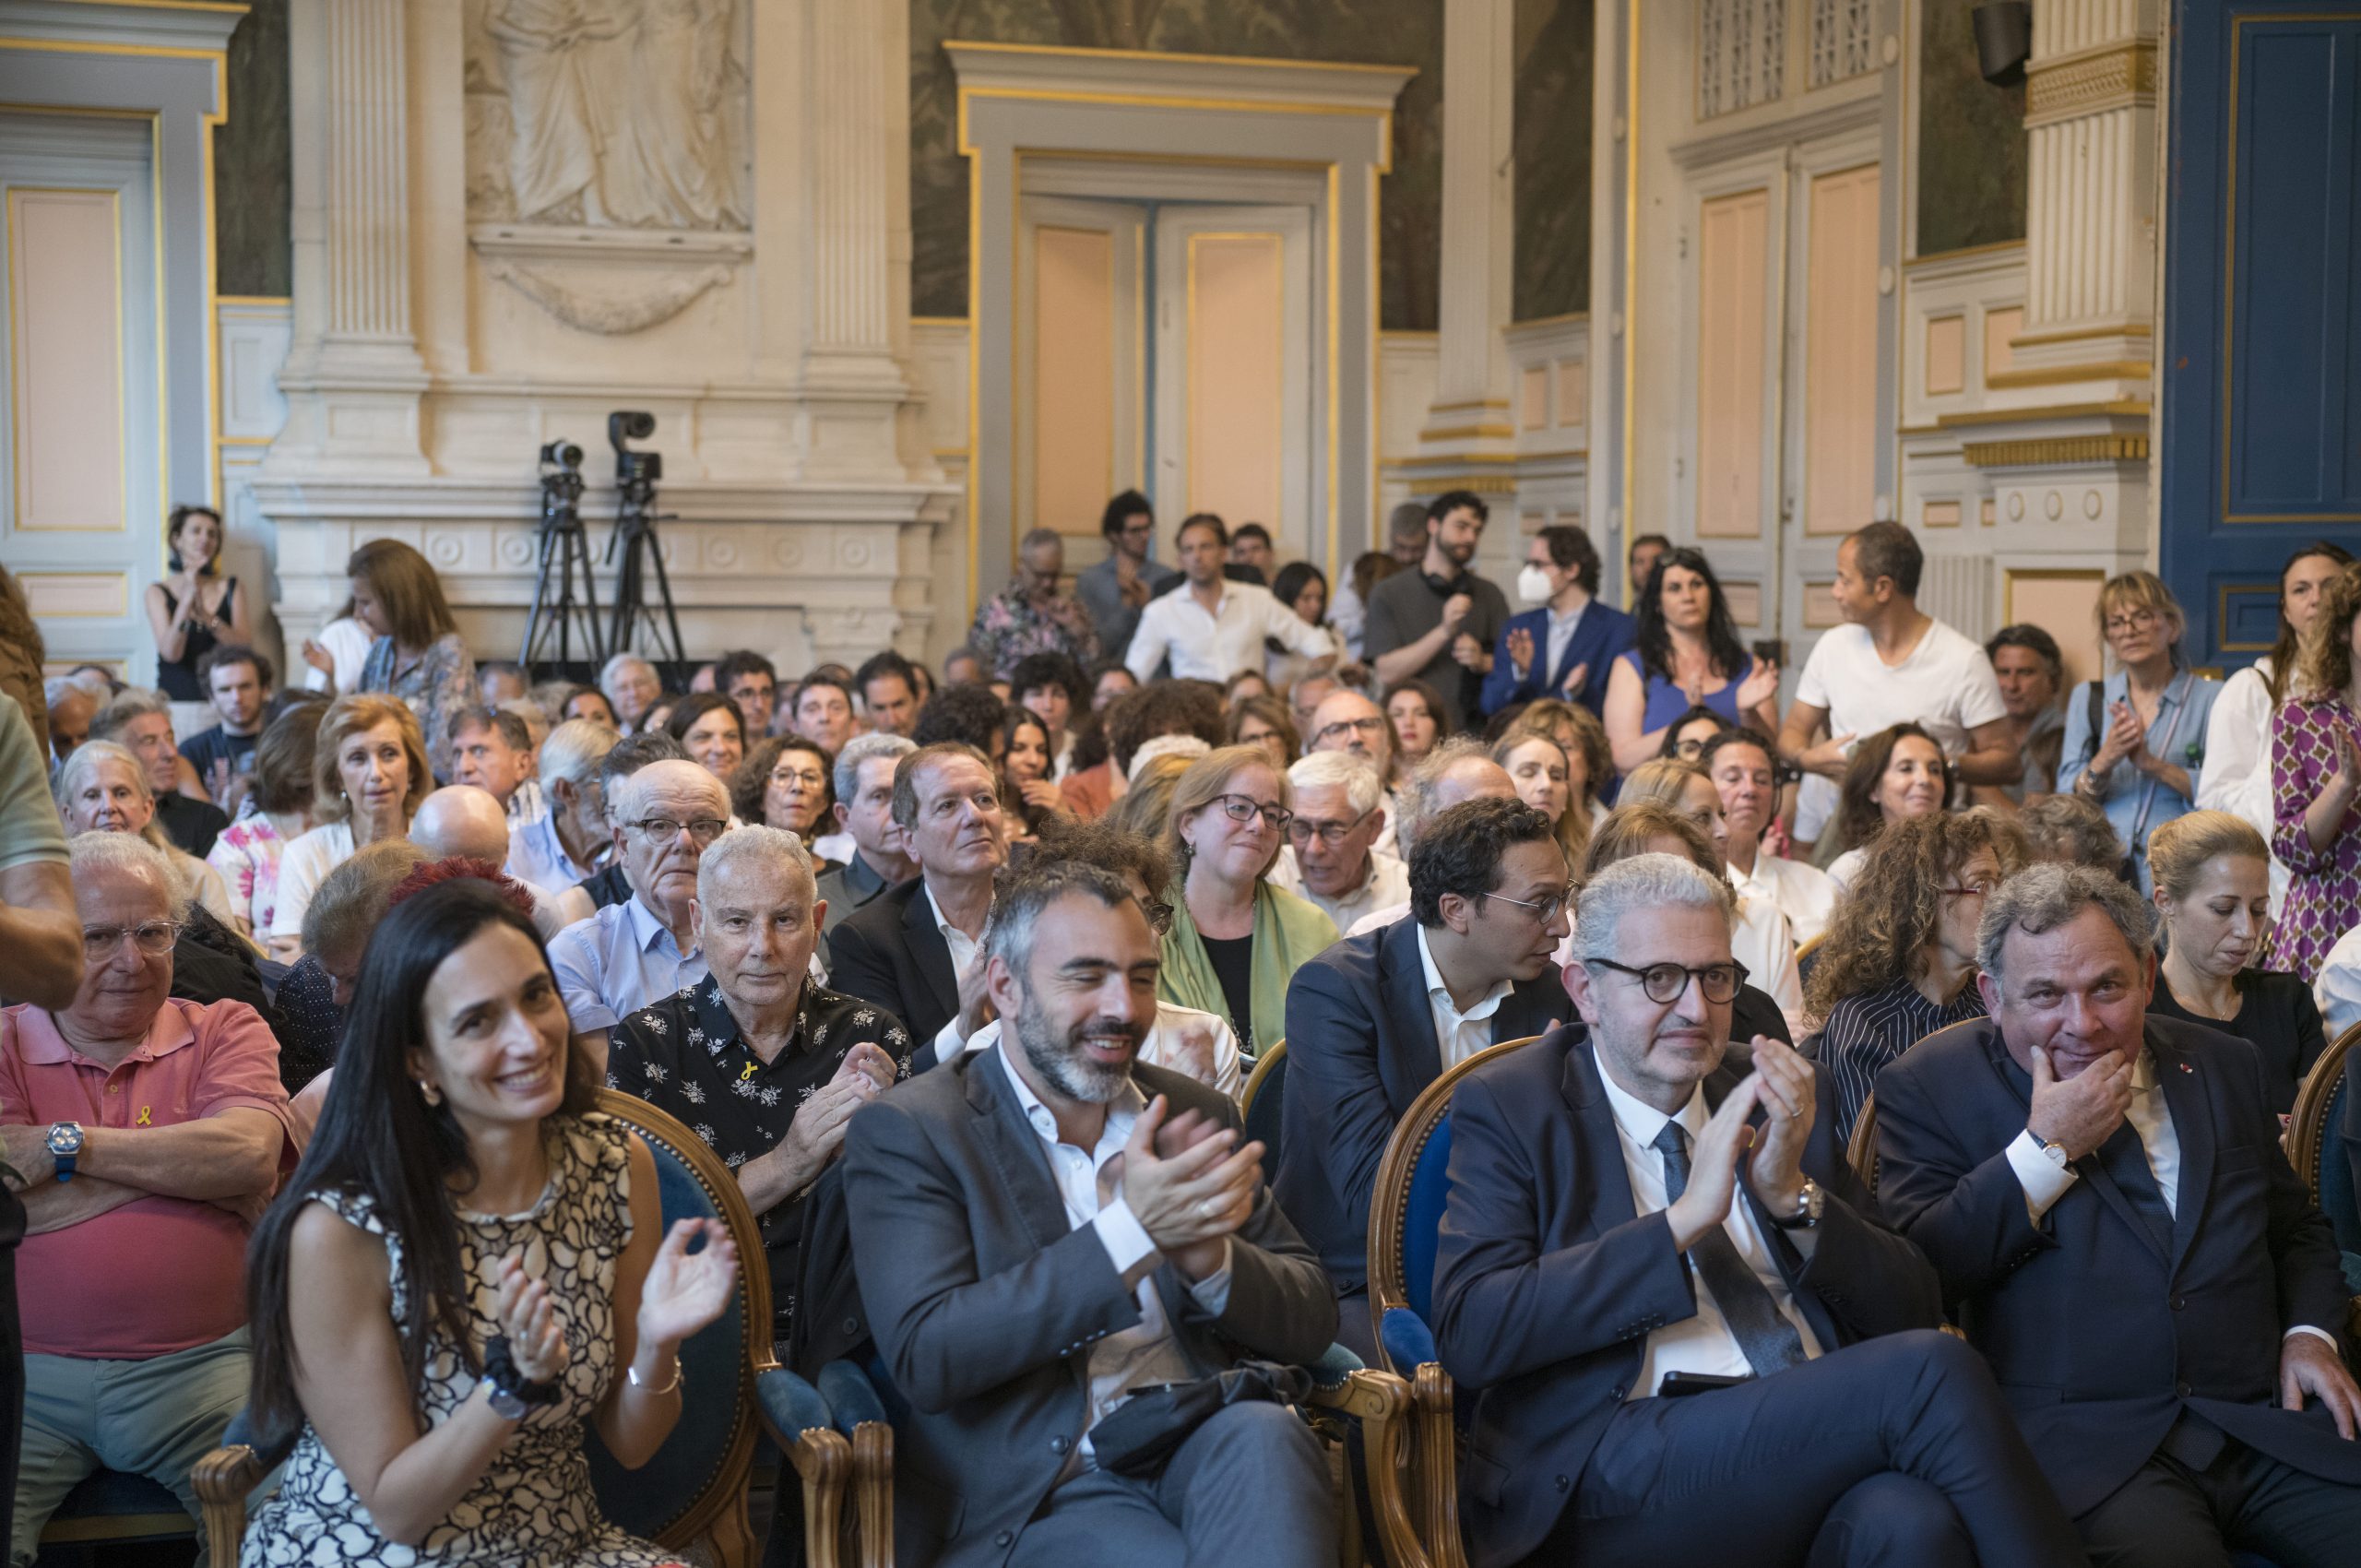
{"x": 1665, "y": 982}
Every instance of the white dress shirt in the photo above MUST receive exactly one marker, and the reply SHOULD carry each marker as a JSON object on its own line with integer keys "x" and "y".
{"x": 963, "y": 950}
{"x": 1215, "y": 646}
{"x": 1703, "y": 1343}
{"x": 1146, "y": 1353}
{"x": 2338, "y": 991}
{"x": 1386, "y": 881}
{"x": 1802, "y": 892}
{"x": 1459, "y": 1035}
{"x": 1561, "y": 625}
{"x": 1761, "y": 939}
{"x": 2236, "y": 776}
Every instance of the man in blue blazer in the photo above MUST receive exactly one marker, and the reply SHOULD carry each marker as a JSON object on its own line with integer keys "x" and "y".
{"x": 1610, "y": 1243}
{"x": 2104, "y": 1192}
{"x": 1563, "y": 648}
{"x": 1376, "y": 1019}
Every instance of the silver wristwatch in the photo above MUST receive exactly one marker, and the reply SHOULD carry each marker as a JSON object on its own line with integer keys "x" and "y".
{"x": 1808, "y": 1212}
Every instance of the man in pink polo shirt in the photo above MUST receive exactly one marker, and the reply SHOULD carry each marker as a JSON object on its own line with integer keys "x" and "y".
{"x": 146, "y": 1135}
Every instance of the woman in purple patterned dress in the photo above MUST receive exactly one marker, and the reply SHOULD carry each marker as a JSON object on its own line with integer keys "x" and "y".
{"x": 2315, "y": 786}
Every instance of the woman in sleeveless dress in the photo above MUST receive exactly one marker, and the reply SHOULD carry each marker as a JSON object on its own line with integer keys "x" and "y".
{"x": 195, "y": 609}
{"x": 466, "y": 1271}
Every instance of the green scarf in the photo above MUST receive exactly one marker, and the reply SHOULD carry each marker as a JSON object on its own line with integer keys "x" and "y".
{"x": 1289, "y": 932}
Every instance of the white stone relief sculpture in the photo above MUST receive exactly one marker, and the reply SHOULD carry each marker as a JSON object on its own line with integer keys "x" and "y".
{"x": 609, "y": 314}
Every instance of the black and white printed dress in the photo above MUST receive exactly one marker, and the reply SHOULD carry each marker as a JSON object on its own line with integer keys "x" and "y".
{"x": 533, "y": 1508}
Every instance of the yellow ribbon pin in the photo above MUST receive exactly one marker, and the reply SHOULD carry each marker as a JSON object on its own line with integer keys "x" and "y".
{"x": 746, "y": 1072}
{"x": 143, "y": 1118}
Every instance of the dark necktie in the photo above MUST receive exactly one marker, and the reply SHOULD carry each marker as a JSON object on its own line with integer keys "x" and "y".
{"x": 1768, "y": 1340}
{"x": 2125, "y": 1160}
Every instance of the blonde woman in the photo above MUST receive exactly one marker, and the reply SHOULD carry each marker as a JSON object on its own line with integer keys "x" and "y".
{"x": 1549, "y": 779}
{"x": 101, "y": 788}
{"x": 368, "y": 773}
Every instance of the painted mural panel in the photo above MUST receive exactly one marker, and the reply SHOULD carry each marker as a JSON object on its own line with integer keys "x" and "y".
{"x": 1971, "y": 139}
{"x": 1554, "y": 46}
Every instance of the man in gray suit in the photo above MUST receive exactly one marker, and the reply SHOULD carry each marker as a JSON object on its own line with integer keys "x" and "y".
{"x": 1049, "y": 1227}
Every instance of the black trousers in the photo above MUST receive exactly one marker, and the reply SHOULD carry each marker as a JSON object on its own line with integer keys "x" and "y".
{"x": 2178, "y": 1513}
{"x": 1898, "y": 1449}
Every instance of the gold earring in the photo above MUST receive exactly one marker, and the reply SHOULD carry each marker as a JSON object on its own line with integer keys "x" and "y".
{"x": 429, "y": 1093}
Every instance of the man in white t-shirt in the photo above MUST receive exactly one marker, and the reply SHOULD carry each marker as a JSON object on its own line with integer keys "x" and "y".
{"x": 1890, "y": 664}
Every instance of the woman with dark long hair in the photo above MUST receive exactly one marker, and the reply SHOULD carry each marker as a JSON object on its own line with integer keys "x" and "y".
{"x": 1686, "y": 653}
{"x": 712, "y": 729}
{"x": 1303, "y": 588}
{"x": 1896, "y": 774}
{"x": 482, "y": 1272}
{"x": 2315, "y": 786}
{"x": 1025, "y": 766}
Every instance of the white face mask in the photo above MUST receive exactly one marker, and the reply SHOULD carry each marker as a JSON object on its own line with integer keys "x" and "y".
{"x": 1533, "y": 585}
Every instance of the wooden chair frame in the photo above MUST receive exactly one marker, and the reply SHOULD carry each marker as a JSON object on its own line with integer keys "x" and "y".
{"x": 2308, "y": 1132}
{"x": 823, "y": 1458}
{"x": 1861, "y": 1148}
{"x": 1256, "y": 1080}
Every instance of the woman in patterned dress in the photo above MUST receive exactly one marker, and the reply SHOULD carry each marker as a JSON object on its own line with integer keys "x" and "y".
{"x": 2316, "y": 787}
{"x": 481, "y": 1273}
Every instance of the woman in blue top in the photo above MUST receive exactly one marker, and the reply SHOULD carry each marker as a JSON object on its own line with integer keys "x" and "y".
{"x": 2135, "y": 741}
{"x": 1685, "y": 655}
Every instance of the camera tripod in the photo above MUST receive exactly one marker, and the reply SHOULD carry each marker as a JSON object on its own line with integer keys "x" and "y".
{"x": 564, "y": 550}
{"x": 635, "y": 536}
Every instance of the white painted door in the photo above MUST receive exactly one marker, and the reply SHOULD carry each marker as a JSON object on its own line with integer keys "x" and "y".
{"x": 1081, "y": 341}
{"x": 1234, "y": 394}
{"x": 81, "y": 523}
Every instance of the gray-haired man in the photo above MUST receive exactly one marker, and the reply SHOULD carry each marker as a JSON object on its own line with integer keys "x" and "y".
{"x": 864, "y": 780}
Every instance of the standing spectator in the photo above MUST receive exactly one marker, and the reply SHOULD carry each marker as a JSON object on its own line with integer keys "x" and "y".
{"x": 565, "y": 844}
{"x": 889, "y": 692}
{"x": 2135, "y": 741}
{"x": 1115, "y": 591}
{"x": 1303, "y": 589}
{"x": 1890, "y": 664}
{"x": 712, "y": 730}
{"x": 1438, "y": 625}
{"x": 783, "y": 783}
{"x": 1548, "y": 779}
{"x": 1406, "y": 542}
{"x": 1640, "y": 566}
{"x": 1564, "y": 643}
{"x": 2031, "y": 675}
{"x": 491, "y": 749}
{"x": 1332, "y": 859}
{"x": 1745, "y": 773}
{"x": 823, "y": 711}
{"x": 278, "y": 812}
{"x": 1685, "y": 654}
{"x": 1265, "y": 722}
{"x": 72, "y": 706}
{"x": 368, "y": 773}
{"x": 333, "y": 658}
{"x": 961, "y": 667}
{"x": 2237, "y": 739}
{"x": 148, "y": 1132}
{"x": 195, "y": 607}
{"x": 237, "y": 682}
{"x": 631, "y": 686}
{"x": 1030, "y": 615}
{"x": 418, "y": 654}
{"x": 1051, "y": 685}
{"x": 1249, "y": 547}
{"x": 2212, "y": 904}
{"x": 750, "y": 680}
{"x": 1415, "y": 711}
{"x": 2315, "y": 784}
{"x": 1211, "y": 627}
{"x": 22, "y": 654}
{"x": 863, "y": 777}
{"x": 1896, "y": 774}
{"x": 1236, "y": 940}
{"x": 141, "y": 722}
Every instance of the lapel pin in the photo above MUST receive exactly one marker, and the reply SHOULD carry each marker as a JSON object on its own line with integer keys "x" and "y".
{"x": 2187, "y": 1068}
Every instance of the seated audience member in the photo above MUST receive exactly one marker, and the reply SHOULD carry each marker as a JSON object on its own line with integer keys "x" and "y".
{"x": 1684, "y": 653}
{"x": 102, "y": 789}
{"x": 1761, "y": 938}
{"x": 1544, "y": 774}
{"x": 2032, "y": 674}
{"x": 442, "y": 1208}
{"x": 1250, "y": 546}
{"x": 1630, "y": 1212}
{"x": 1685, "y": 737}
{"x": 767, "y": 1064}
{"x": 889, "y": 692}
{"x": 1237, "y": 940}
{"x": 501, "y": 680}
{"x": 141, "y": 722}
{"x": 1033, "y": 796}
{"x": 1171, "y": 1265}
{"x": 146, "y": 1134}
{"x": 2338, "y": 994}
{"x": 1146, "y": 806}
{"x": 631, "y": 686}
{"x": 1376, "y": 1019}
{"x": 419, "y": 656}
{"x": 1265, "y": 721}
{"x": 491, "y": 749}
{"x": 752, "y": 681}
{"x": 369, "y": 772}
{"x": 1457, "y": 770}
{"x": 961, "y": 667}
{"x": 41, "y": 954}
{"x": 783, "y": 783}
{"x": 1030, "y": 615}
{"x": 460, "y": 821}
{"x": 1210, "y": 627}
{"x": 278, "y": 812}
{"x": 971, "y": 715}
{"x": 237, "y": 682}
{"x": 1415, "y": 711}
{"x": 1053, "y": 686}
{"x": 1305, "y": 697}
{"x": 1331, "y": 857}
{"x": 1167, "y": 707}
{"x": 2104, "y": 1194}
{"x": 629, "y": 953}
{"x": 1111, "y": 678}
{"x": 711, "y": 730}
{"x": 608, "y": 884}
{"x": 1564, "y": 641}
{"x": 913, "y": 950}
{"x": 566, "y": 844}
{"x": 585, "y": 702}
{"x": 702, "y": 679}
{"x": 1895, "y": 774}
{"x": 2212, "y": 898}
{"x": 2069, "y": 831}
{"x": 1347, "y": 721}
{"x": 71, "y": 708}
{"x": 1744, "y": 770}
{"x": 823, "y": 711}
{"x": 351, "y": 902}
{"x": 1439, "y": 623}
{"x": 862, "y": 781}
{"x": 1900, "y": 958}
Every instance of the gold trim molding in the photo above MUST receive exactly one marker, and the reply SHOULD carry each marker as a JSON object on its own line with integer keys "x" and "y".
{"x": 2117, "y": 76}
{"x": 2056, "y": 452}
{"x": 1480, "y": 485}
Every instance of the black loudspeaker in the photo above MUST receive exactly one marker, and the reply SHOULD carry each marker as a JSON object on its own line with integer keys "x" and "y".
{"x": 2004, "y": 41}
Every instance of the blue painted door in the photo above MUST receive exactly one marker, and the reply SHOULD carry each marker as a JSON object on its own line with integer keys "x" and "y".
{"x": 2262, "y": 309}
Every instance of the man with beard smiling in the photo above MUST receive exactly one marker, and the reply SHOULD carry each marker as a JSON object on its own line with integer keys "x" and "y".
{"x": 1438, "y": 624}
{"x": 1022, "y": 1208}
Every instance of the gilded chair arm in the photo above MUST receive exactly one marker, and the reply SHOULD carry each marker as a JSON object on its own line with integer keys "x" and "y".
{"x": 861, "y": 1416}
{"x": 1380, "y": 1403}
{"x": 1435, "y": 1449}
{"x": 222, "y": 1479}
{"x": 801, "y": 1423}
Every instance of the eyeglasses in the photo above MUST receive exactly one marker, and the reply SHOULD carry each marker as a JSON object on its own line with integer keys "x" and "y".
{"x": 1244, "y": 808}
{"x": 1159, "y": 916}
{"x": 1665, "y": 982}
{"x": 155, "y": 938}
{"x": 2137, "y": 621}
{"x": 1345, "y": 727}
{"x": 1304, "y": 830}
{"x": 1547, "y": 907}
{"x": 810, "y": 778}
{"x": 663, "y": 829}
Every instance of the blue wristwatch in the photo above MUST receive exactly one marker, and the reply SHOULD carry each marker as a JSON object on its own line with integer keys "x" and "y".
{"x": 64, "y": 1141}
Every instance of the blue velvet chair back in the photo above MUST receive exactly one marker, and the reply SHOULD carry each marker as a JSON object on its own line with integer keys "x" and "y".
{"x": 2332, "y": 1171}
{"x": 1422, "y": 1217}
{"x": 1263, "y": 1104}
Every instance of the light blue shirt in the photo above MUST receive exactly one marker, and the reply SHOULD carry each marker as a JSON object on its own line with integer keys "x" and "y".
{"x": 2134, "y": 803}
{"x": 617, "y": 961}
{"x": 536, "y": 854}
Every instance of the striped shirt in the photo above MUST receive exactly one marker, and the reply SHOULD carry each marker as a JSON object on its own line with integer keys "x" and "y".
{"x": 1865, "y": 1033}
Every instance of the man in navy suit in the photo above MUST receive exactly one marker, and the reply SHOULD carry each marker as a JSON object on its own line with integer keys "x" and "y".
{"x": 1563, "y": 648}
{"x": 1610, "y": 1243}
{"x": 2104, "y": 1192}
{"x": 1376, "y": 1019}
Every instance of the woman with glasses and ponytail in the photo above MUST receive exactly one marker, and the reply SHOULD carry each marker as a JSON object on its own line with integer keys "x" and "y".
{"x": 1236, "y": 940}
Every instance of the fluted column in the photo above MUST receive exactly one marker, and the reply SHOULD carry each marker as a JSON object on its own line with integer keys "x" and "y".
{"x": 1479, "y": 226}
{"x": 855, "y": 71}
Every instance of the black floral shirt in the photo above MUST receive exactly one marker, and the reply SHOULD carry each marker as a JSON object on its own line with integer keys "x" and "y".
{"x": 684, "y": 1055}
